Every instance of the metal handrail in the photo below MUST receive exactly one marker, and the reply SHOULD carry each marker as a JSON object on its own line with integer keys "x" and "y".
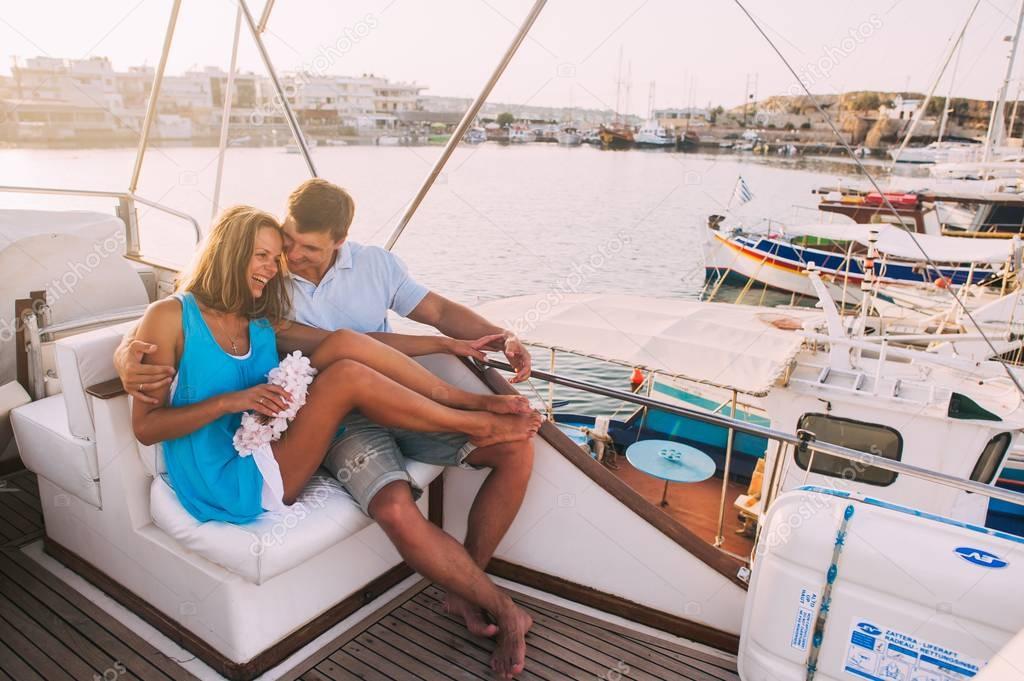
{"x": 96, "y": 193}
{"x": 197, "y": 232}
{"x": 467, "y": 120}
{"x": 293, "y": 122}
{"x": 60, "y": 191}
{"x": 807, "y": 441}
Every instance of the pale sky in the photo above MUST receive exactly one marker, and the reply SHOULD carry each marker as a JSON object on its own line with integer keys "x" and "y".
{"x": 572, "y": 56}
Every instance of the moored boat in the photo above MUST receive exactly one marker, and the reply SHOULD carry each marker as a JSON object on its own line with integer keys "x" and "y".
{"x": 688, "y": 141}
{"x": 653, "y": 135}
{"x": 569, "y": 137}
{"x": 616, "y": 136}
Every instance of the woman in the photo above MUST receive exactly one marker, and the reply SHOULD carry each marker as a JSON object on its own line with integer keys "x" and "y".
{"x": 219, "y": 331}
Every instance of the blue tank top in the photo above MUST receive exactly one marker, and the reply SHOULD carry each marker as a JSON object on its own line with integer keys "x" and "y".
{"x": 210, "y": 479}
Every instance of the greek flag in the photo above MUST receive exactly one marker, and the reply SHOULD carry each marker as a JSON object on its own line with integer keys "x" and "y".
{"x": 742, "y": 192}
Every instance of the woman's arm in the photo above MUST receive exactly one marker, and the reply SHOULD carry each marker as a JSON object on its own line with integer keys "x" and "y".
{"x": 292, "y": 336}
{"x": 152, "y": 423}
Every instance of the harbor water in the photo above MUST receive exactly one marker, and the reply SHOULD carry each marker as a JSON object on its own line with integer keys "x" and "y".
{"x": 501, "y": 220}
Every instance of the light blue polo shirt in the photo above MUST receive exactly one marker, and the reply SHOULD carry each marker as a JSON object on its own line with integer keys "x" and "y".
{"x": 356, "y": 293}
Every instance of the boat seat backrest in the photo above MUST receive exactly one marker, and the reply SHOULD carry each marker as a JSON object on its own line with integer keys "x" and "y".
{"x": 152, "y": 459}
{"x": 84, "y": 360}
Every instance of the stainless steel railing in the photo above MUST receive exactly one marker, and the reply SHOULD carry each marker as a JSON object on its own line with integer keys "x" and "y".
{"x": 802, "y": 440}
{"x": 126, "y": 209}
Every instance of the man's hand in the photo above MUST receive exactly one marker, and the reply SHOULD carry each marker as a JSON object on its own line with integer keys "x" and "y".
{"x": 139, "y": 378}
{"x": 518, "y": 357}
{"x": 475, "y": 348}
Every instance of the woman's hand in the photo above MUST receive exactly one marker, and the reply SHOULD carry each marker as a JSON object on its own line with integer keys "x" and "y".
{"x": 266, "y": 399}
{"x": 475, "y": 348}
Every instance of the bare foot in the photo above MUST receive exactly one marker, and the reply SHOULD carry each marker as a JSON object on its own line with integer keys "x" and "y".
{"x": 470, "y": 614}
{"x": 509, "y": 656}
{"x": 505, "y": 404}
{"x": 497, "y": 428}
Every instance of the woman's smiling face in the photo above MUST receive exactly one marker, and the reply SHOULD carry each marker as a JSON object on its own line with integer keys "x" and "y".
{"x": 266, "y": 254}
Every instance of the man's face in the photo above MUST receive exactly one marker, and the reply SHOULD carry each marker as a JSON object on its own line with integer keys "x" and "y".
{"x": 309, "y": 254}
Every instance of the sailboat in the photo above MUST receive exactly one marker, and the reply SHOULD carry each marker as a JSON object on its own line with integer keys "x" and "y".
{"x": 855, "y": 543}
{"x": 617, "y": 134}
{"x": 652, "y": 134}
{"x": 963, "y": 151}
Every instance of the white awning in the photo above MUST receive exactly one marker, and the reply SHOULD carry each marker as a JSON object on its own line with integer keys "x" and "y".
{"x": 898, "y": 243}
{"x": 739, "y": 347}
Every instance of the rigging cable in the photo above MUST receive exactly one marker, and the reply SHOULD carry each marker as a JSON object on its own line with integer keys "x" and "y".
{"x": 885, "y": 199}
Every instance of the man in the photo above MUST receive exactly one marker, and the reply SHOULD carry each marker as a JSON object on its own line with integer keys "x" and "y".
{"x": 338, "y": 284}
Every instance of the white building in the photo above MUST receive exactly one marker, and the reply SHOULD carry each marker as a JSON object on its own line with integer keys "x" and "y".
{"x": 365, "y": 101}
{"x": 902, "y": 109}
{"x": 682, "y": 117}
{"x": 70, "y": 95}
{"x": 83, "y": 82}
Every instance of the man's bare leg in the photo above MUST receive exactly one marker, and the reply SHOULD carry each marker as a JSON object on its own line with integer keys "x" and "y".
{"x": 436, "y": 555}
{"x": 495, "y": 507}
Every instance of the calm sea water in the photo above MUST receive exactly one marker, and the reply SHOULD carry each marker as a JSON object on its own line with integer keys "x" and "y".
{"x": 502, "y": 220}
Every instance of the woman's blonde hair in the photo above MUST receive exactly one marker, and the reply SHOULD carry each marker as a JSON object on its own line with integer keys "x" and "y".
{"x": 219, "y": 278}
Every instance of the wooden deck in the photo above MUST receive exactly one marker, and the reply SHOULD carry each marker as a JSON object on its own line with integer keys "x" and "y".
{"x": 21, "y": 519}
{"x": 48, "y": 631}
{"x": 694, "y": 505}
{"x": 412, "y": 638}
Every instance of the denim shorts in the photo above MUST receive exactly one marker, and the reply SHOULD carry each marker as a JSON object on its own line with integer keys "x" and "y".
{"x": 367, "y": 456}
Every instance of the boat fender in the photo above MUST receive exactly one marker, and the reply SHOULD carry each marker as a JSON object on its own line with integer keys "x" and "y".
{"x": 637, "y": 379}
{"x": 600, "y": 436}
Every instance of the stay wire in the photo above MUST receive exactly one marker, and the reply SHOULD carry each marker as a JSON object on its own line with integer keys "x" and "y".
{"x": 885, "y": 199}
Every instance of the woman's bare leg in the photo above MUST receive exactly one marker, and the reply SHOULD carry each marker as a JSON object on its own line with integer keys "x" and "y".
{"x": 346, "y": 385}
{"x": 403, "y": 369}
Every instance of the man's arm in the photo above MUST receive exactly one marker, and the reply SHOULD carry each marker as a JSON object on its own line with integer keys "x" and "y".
{"x": 293, "y": 336}
{"x": 458, "y": 321}
{"x": 137, "y": 378}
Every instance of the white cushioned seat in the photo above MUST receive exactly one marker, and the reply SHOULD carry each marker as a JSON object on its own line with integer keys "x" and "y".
{"x": 83, "y": 360}
{"x": 56, "y": 435}
{"x": 49, "y": 449}
{"x": 276, "y": 542}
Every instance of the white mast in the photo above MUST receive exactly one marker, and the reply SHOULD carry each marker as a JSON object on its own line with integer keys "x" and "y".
{"x": 949, "y": 97}
{"x": 919, "y": 114}
{"x": 997, "y": 131}
{"x": 1013, "y": 111}
{"x": 618, "y": 86}
{"x": 629, "y": 86}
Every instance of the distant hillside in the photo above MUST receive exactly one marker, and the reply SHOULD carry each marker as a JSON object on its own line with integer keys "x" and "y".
{"x": 967, "y": 113}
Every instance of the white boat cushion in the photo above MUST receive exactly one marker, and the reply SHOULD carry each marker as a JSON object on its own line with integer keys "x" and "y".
{"x": 49, "y": 449}
{"x": 83, "y": 278}
{"x": 275, "y": 542}
{"x": 84, "y": 360}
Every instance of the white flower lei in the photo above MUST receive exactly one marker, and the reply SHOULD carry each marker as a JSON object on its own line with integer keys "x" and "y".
{"x": 294, "y": 374}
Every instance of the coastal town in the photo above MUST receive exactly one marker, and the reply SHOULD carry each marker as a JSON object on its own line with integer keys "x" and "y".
{"x": 53, "y": 102}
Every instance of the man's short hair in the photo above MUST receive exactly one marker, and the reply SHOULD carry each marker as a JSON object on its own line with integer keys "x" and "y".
{"x": 320, "y": 206}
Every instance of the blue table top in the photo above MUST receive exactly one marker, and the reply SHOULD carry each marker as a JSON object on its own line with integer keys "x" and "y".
{"x": 670, "y": 461}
